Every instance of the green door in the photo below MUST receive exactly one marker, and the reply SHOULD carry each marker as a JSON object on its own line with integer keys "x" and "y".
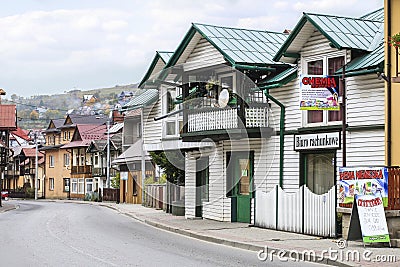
{"x": 242, "y": 165}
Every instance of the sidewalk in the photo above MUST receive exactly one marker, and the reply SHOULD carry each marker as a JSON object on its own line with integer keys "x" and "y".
{"x": 6, "y": 206}
{"x": 240, "y": 235}
{"x": 253, "y": 238}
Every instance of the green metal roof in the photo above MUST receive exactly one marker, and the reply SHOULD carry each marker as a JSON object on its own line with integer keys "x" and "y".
{"x": 146, "y": 98}
{"x": 342, "y": 32}
{"x": 238, "y": 46}
{"x": 281, "y": 79}
{"x": 371, "y": 60}
{"x": 160, "y": 55}
{"x": 377, "y": 15}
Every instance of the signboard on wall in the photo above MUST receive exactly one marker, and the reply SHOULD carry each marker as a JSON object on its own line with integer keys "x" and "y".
{"x": 317, "y": 141}
{"x": 363, "y": 181}
{"x": 319, "y": 92}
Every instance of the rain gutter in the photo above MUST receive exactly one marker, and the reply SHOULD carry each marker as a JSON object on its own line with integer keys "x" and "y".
{"x": 281, "y": 132}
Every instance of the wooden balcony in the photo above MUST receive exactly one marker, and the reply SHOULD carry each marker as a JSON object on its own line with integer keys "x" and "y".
{"x": 228, "y": 123}
{"x": 99, "y": 171}
{"x": 81, "y": 169}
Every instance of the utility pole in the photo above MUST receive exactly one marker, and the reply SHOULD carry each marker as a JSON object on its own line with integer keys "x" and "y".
{"x": 108, "y": 155}
{"x": 36, "y": 167}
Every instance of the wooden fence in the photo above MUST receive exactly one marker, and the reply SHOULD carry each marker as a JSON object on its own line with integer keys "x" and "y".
{"x": 164, "y": 196}
{"x": 110, "y": 194}
{"x": 300, "y": 212}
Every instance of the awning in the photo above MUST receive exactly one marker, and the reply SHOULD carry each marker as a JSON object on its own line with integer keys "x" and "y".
{"x": 133, "y": 153}
{"x": 146, "y": 98}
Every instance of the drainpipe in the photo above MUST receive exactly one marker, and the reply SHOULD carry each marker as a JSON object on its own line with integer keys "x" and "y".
{"x": 344, "y": 121}
{"x": 281, "y": 133}
{"x": 389, "y": 87}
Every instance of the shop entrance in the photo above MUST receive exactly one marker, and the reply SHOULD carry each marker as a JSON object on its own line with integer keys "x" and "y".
{"x": 240, "y": 185}
{"x": 318, "y": 171}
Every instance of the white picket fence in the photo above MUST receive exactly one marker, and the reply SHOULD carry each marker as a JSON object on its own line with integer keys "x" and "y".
{"x": 299, "y": 212}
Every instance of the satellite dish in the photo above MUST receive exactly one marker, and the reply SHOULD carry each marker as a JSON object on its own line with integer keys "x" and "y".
{"x": 223, "y": 98}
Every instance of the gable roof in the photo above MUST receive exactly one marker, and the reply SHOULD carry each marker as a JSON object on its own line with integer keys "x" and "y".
{"x": 157, "y": 64}
{"x": 54, "y": 125}
{"x": 85, "y": 133}
{"x": 31, "y": 152}
{"x": 8, "y": 117}
{"x": 341, "y": 32}
{"x": 73, "y": 120}
{"x": 378, "y": 15}
{"x": 21, "y": 133}
{"x": 237, "y": 46}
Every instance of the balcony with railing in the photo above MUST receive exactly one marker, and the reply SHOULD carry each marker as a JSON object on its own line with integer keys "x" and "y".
{"x": 85, "y": 169}
{"x": 227, "y": 123}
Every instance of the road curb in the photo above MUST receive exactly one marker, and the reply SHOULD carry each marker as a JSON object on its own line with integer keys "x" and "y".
{"x": 242, "y": 245}
{"x": 7, "y": 209}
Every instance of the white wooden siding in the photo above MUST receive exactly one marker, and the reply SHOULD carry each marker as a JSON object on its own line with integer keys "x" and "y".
{"x": 152, "y": 129}
{"x": 190, "y": 186}
{"x": 317, "y": 44}
{"x": 203, "y": 55}
{"x": 365, "y": 100}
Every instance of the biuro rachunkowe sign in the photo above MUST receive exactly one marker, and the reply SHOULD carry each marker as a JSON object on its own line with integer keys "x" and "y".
{"x": 317, "y": 141}
{"x": 318, "y": 92}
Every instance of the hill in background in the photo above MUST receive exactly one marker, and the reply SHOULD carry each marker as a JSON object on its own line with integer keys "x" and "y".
{"x": 35, "y": 112}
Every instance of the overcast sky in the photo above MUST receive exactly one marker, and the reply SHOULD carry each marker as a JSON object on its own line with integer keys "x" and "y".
{"x": 52, "y": 46}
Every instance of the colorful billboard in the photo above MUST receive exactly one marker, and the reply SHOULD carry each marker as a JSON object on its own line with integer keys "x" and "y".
{"x": 319, "y": 92}
{"x": 363, "y": 181}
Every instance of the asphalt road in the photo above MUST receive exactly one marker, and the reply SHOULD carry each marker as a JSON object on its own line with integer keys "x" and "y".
{"x": 68, "y": 234}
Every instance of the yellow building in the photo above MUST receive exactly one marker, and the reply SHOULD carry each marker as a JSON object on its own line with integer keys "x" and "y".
{"x": 392, "y": 57}
{"x": 58, "y": 159}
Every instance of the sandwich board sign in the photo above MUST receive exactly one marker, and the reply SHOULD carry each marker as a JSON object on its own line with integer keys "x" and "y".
{"x": 368, "y": 211}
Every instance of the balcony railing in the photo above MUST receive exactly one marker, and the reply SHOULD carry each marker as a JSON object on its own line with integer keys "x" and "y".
{"x": 99, "y": 171}
{"x": 220, "y": 119}
{"x": 81, "y": 170}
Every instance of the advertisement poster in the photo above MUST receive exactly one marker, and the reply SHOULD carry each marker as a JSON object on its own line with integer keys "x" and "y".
{"x": 372, "y": 219}
{"x": 363, "y": 181}
{"x": 319, "y": 92}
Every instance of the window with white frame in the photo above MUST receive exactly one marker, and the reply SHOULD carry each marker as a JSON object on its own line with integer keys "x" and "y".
{"x": 74, "y": 185}
{"x": 89, "y": 185}
{"x": 171, "y": 124}
{"x": 81, "y": 186}
{"x": 51, "y": 161}
{"x": 324, "y": 65}
{"x": 51, "y": 184}
{"x": 66, "y": 159}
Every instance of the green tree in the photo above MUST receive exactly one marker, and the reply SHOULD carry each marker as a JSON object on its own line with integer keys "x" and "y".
{"x": 172, "y": 162}
{"x": 115, "y": 181}
{"x": 52, "y": 114}
{"x": 34, "y": 115}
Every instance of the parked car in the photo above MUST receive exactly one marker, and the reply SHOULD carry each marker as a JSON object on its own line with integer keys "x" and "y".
{"x": 4, "y": 195}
